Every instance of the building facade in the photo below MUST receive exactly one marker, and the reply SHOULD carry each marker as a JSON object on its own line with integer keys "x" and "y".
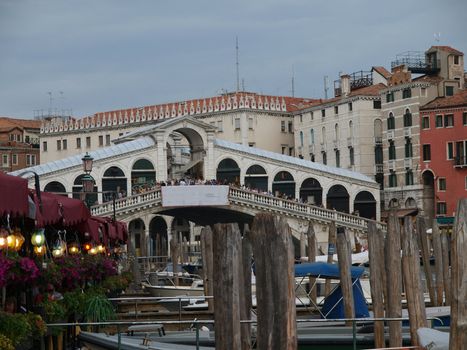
{"x": 443, "y": 140}
{"x": 19, "y": 143}
{"x": 442, "y": 69}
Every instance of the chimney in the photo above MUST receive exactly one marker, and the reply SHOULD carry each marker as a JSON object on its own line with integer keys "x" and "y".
{"x": 345, "y": 85}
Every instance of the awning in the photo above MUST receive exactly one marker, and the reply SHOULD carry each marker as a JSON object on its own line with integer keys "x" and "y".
{"x": 110, "y": 231}
{"x": 14, "y": 194}
{"x": 60, "y": 209}
{"x": 49, "y": 212}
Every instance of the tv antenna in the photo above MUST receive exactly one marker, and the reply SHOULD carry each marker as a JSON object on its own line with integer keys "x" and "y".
{"x": 293, "y": 81}
{"x": 326, "y": 87}
{"x": 237, "y": 65}
{"x": 437, "y": 36}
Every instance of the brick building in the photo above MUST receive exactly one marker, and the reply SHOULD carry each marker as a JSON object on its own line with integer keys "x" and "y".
{"x": 19, "y": 143}
{"x": 443, "y": 139}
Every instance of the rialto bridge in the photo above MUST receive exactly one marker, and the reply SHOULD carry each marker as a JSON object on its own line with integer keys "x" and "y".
{"x": 137, "y": 164}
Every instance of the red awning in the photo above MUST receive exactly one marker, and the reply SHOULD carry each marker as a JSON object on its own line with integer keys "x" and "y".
{"x": 74, "y": 211}
{"x": 60, "y": 209}
{"x": 49, "y": 213}
{"x": 14, "y": 194}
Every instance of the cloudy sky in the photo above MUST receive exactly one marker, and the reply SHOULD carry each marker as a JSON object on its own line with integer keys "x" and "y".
{"x": 109, "y": 54}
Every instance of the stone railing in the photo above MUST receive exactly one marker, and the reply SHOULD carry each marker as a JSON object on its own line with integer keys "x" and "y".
{"x": 242, "y": 198}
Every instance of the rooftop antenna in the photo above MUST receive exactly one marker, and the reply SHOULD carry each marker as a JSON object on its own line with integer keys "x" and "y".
{"x": 50, "y": 102}
{"x": 437, "y": 36}
{"x": 326, "y": 87}
{"x": 243, "y": 84}
{"x": 238, "y": 72}
{"x": 293, "y": 82}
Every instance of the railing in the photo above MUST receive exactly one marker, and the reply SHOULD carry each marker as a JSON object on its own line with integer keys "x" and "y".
{"x": 390, "y": 134}
{"x": 460, "y": 162}
{"x": 242, "y": 197}
{"x": 408, "y": 163}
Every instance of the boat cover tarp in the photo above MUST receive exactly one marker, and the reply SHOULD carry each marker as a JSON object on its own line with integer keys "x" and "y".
{"x": 333, "y": 306}
{"x": 325, "y": 270}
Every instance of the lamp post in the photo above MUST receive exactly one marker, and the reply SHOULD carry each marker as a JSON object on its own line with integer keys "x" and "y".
{"x": 87, "y": 179}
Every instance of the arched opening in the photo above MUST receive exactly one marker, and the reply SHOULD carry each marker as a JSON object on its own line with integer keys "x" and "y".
{"x": 338, "y": 198}
{"x": 311, "y": 192}
{"x": 410, "y": 203}
{"x": 143, "y": 175}
{"x": 185, "y": 154}
{"x": 284, "y": 185}
{"x": 365, "y": 205}
{"x": 256, "y": 178}
{"x": 351, "y": 129}
{"x": 113, "y": 182}
{"x": 428, "y": 200}
{"x": 55, "y": 187}
{"x": 158, "y": 237}
{"x": 394, "y": 203}
{"x": 228, "y": 172}
{"x": 181, "y": 228}
{"x": 77, "y": 190}
{"x": 391, "y": 121}
{"x": 136, "y": 237}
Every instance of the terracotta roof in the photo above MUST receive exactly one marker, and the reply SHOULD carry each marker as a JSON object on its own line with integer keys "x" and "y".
{"x": 434, "y": 79}
{"x": 372, "y": 90}
{"x": 447, "y": 49}
{"x": 7, "y": 122}
{"x": 382, "y": 71}
{"x": 457, "y": 100}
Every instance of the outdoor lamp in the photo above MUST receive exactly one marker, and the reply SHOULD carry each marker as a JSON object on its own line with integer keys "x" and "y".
{"x": 87, "y": 246}
{"x": 101, "y": 248}
{"x": 38, "y": 238}
{"x": 11, "y": 241}
{"x": 40, "y": 250}
{"x": 88, "y": 183}
{"x": 19, "y": 240}
{"x": 87, "y": 163}
{"x": 92, "y": 251}
{"x": 73, "y": 248}
{"x": 3, "y": 238}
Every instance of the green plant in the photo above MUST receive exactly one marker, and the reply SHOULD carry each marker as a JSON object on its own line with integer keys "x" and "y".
{"x": 98, "y": 308}
{"x": 74, "y": 302}
{"x": 14, "y": 327}
{"x": 6, "y": 343}
{"x": 38, "y": 326}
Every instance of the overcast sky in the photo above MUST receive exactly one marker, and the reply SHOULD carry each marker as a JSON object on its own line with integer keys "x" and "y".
{"x": 101, "y": 55}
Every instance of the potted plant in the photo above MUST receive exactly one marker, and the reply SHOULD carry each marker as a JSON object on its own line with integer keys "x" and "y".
{"x": 97, "y": 308}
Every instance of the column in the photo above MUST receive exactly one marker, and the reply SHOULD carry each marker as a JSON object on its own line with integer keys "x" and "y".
{"x": 161, "y": 168}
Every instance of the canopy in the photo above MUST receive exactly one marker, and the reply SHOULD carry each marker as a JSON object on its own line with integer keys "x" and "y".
{"x": 325, "y": 270}
{"x": 13, "y": 195}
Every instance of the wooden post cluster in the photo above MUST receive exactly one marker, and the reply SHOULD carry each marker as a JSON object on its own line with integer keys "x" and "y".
{"x": 439, "y": 264}
{"x": 274, "y": 263}
{"x": 425, "y": 250}
{"x": 344, "y": 259}
{"x": 207, "y": 255}
{"x": 312, "y": 250}
{"x": 246, "y": 301}
{"x": 458, "y": 335}
{"x": 331, "y": 252}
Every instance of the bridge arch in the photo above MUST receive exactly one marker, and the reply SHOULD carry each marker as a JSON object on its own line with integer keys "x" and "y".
{"x": 143, "y": 173}
{"x": 136, "y": 229}
{"x": 158, "y": 240}
{"x": 365, "y": 205}
{"x": 311, "y": 191}
{"x": 113, "y": 181}
{"x": 228, "y": 171}
{"x": 338, "y": 198}
{"x": 256, "y": 177}
{"x": 283, "y": 184}
{"x": 56, "y": 187}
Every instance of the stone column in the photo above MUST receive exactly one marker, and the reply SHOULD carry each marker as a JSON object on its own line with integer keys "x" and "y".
{"x": 161, "y": 168}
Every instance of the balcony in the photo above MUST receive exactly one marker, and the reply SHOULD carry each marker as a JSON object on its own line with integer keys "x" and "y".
{"x": 460, "y": 162}
{"x": 408, "y": 163}
{"x": 408, "y": 132}
{"x": 390, "y": 134}
{"x": 392, "y": 164}
{"x": 378, "y": 140}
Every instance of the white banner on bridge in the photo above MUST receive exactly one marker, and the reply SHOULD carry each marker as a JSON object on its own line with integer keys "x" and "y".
{"x": 202, "y": 195}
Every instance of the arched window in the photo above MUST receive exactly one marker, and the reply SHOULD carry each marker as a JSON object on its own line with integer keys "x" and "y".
{"x": 336, "y": 132}
{"x": 312, "y": 137}
{"x": 351, "y": 129}
{"x": 391, "y": 122}
{"x": 301, "y": 138}
{"x": 407, "y": 118}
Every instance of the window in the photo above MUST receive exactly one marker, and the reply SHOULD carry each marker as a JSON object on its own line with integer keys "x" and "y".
{"x": 311, "y": 115}
{"x": 407, "y": 118}
{"x": 441, "y": 208}
{"x": 336, "y": 109}
{"x": 284, "y": 149}
{"x": 27, "y": 139}
{"x": 5, "y": 160}
{"x": 450, "y": 150}
{"x": 338, "y": 158}
{"x": 220, "y": 127}
{"x": 78, "y": 142}
{"x": 441, "y": 184}
{"x": 251, "y": 144}
{"x": 11, "y": 137}
{"x": 352, "y": 156}
{"x": 323, "y": 113}
{"x": 59, "y": 145}
{"x": 301, "y": 138}
{"x": 392, "y": 179}
{"x": 409, "y": 178}
{"x": 407, "y": 93}
{"x": 456, "y": 59}
{"x": 250, "y": 123}
{"x": 377, "y": 104}
{"x": 312, "y": 157}
{"x": 301, "y": 118}
{"x": 291, "y": 151}
{"x": 107, "y": 140}
{"x": 391, "y": 122}
{"x": 65, "y": 144}
{"x": 439, "y": 121}
{"x": 14, "y": 159}
{"x": 88, "y": 141}
{"x": 101, "y": 140}
{"x": 390, "y": 97}
{"x": 44, "y": 146}
{"x": 350, "y": 107}
{"x": 237, "y": 123}
{"x": 283, "y": 125}
{"x": 464, "y": 118}
{"x": 448, "y": 120}
{"x": 426, "y": 122}
{"x": 312, "y": 137}
{"x": 30, "y": 159}
{"x": 449, "y": 90}
{"x": 423, "y": 92}
{"x": 408, "y": 148}
{"x": 290, "y": 127}
{"x": 325, "y": 158}
{"x": 392, "y": 150}
{"x": 426, "y": 152}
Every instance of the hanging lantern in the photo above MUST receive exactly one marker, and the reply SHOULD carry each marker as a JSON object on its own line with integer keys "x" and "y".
{"x": 73, "y": 248}
{"x": 11, "y": 241}
{"x": 19, "y": 240}
{"x": 87, "y": 246}
{"x": 40, "y": 250}
{"x": 38, "y": 237}
{"x": 57, "y": 252}
{"x": 3, "y": 238}
{"x": 101, "y": 248}
{"x": 59, "y": 247}
{"x": 93, "y": 251}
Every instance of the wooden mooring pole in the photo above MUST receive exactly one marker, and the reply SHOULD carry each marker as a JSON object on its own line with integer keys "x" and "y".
{"x": 275, "y": 293}
{"x": 344, "y": 260}
{"x": 312, "y": 250}
{"x": 446, "y": 248}
{"x": 412, "y": 282}
{"x": 458, "y": 335}
{"x": 227, "y": 262}
{"x": 331, "y": 252}
{"x": 245, "y": 302}
{"x": 425, "y": 249}
{"x": 175, "y": 253}
{"x": 394, "y": 282}
{"x": 207, "y": 254}
{"x": 375, "y": 249}
{"x": 438, "y": 254}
